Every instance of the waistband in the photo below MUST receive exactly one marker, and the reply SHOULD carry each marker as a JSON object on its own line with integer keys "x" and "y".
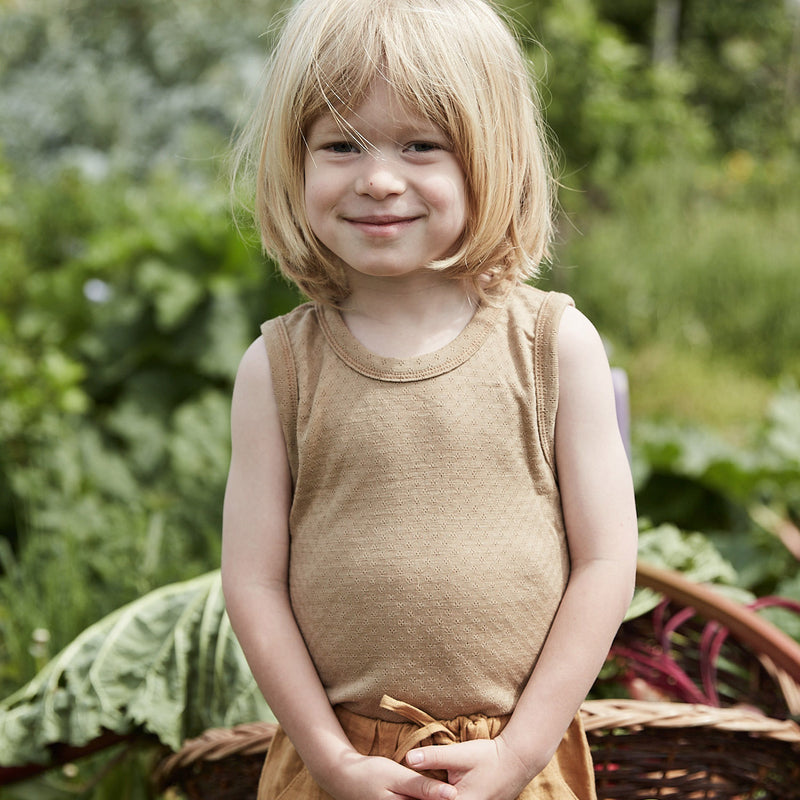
{"x": 370, "y": 735}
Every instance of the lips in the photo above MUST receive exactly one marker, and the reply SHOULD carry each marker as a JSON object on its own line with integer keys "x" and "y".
{"x": 381, "y": 224}
{"x": 381, "y": 219}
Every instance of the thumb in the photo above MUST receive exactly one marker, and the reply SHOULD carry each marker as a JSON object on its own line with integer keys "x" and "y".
{"x": 442, "y": 757}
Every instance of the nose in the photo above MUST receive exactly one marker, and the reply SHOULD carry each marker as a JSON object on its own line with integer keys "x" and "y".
{"x": 379, "y": 178}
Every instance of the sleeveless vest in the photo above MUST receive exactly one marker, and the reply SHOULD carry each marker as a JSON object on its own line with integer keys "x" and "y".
{"x": 428, "y": 555}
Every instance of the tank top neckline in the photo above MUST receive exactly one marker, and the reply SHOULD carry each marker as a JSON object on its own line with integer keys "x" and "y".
{"x": 428, "y": 365}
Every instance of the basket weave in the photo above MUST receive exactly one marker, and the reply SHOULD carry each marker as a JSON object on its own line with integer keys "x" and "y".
{"x": 641, "y": 750}
{"x": 220, "y": 764}
{"x": 644, "y": 750}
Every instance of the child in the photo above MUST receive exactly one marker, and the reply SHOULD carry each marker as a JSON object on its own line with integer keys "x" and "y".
{"x": 429, "y": 531}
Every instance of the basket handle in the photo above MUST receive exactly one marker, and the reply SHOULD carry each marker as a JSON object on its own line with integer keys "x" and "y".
{"x": 764, "y": 637}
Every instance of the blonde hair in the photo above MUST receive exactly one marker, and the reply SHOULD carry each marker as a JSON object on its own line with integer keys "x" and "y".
{"x": 453, "y": 61}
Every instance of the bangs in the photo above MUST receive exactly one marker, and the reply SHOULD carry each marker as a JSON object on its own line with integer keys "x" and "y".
{"x": 397, "y": 42}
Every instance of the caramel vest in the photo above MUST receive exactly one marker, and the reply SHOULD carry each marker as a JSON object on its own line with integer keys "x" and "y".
{"x": 428, "y": 554}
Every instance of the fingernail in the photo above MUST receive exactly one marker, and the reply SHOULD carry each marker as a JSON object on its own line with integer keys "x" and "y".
{"x": 448, "y": 792}
{"x": 414, "y": 757}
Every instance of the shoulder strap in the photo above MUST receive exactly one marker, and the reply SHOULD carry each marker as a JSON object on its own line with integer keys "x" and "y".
{"x": 546, "y": 369}
{"x": 284, "y": 382}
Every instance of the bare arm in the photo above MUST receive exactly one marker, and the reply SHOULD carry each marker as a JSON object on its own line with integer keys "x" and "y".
{"x": 255, "y": 561}
{"x": 600, "y": 518}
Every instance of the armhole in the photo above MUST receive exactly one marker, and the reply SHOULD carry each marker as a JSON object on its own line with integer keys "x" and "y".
{"x": 284, "y": 382}
{"x": 546, "y": 370}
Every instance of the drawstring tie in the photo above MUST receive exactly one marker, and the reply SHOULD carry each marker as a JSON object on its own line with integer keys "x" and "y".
{"x": 429, "y": 728}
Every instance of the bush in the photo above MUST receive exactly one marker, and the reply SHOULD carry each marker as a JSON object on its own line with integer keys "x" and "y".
{"x": 695, "y": 254}
{"x": 129, "y": 315}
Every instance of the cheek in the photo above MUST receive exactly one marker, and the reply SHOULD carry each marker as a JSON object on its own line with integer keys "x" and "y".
{"x": 313, "y": 194}
{"x": 323, "y": 186}
{"x": 448, "y": 196}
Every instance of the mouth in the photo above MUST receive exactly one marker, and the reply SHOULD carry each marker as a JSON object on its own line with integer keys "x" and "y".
{"x": 382, "y": 224}
{"x": 381, "y": 219}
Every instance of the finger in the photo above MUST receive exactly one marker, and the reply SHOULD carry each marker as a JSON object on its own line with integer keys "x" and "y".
{"x": 419, "y": 787}
{"x": 438, "y": 757}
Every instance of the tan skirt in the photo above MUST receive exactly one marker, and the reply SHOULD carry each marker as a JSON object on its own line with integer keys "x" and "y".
{"x": 568, "y": 776}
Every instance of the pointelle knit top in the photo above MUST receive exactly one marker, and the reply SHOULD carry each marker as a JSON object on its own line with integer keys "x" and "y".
{"x": 427, "y": 555}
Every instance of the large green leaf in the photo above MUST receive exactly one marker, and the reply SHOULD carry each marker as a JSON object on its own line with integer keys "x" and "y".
{"x": 167, "y": 664}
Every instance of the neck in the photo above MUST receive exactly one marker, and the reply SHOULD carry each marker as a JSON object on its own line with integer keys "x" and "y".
{"x": 409, "y": 317}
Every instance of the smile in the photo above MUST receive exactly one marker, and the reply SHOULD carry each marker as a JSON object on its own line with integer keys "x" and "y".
{"x": 381, "y": 225}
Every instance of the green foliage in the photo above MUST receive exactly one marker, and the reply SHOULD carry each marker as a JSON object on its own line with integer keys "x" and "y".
{"x": 705, "y": 261}
{"x": 116, "y": 84}
{"x": 120, "y": 773}
{"x": 747, "y": 54}
{"x": 165, "y": 668}
{"x": 733, "y": 80}
{"x": 738, "y": 496}
{"x": 124, "y": 305}
{"x": 129, "y": 314}
{"x": 690, "y": 553}
{"x": 609, "y": 107}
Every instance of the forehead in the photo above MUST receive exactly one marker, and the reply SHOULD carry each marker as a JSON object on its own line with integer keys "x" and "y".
{"x": 380, "y": 109}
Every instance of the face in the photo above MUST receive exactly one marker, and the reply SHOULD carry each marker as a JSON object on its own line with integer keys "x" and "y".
{"x": 390, "y": 207}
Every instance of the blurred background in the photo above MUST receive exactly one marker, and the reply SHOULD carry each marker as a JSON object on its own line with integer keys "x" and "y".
{"x": 127, "y": 294}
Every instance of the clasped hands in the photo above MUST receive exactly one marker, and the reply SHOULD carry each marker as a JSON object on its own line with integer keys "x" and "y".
{"x": 481, "y": 769}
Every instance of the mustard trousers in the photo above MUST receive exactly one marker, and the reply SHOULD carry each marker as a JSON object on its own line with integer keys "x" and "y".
{"x": 568, "y": 776}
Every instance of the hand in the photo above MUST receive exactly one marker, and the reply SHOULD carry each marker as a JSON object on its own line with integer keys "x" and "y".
{"x": 481, "y": 769}
{"x": 378, "y": 778}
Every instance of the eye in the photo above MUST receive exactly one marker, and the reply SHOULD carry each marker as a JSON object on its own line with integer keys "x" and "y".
{"x": 341, "y": 148}
{"x": 423, "y": 147}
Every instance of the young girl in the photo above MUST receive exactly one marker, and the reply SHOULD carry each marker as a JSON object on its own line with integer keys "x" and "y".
{"x": 429, "y": 532}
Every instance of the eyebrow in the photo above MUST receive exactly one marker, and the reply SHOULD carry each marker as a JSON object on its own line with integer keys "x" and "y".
{"x": 327, "y": 124}
{"x": 420, "y": 128}
{"x": 348, "y": 123}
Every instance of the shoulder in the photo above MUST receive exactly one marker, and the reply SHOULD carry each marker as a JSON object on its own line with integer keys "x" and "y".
{"x": 537, "y": 310}
{"x": 253, "y": 362}
{"x": 301, "y": 316}
{"x": 531, "y": 297}
{"x": 257, "y": 438}
{"x": 584, "y": 375}
{"x": 292, "y": 336}
{"x": 574, "y": 336}
{"x": 253, "y": 379}
{"x": 578, "y": 339}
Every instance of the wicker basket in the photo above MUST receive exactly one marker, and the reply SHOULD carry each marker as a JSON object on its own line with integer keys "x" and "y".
{"x": 641, "y": 750}
{"x": 221, "y": 764}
